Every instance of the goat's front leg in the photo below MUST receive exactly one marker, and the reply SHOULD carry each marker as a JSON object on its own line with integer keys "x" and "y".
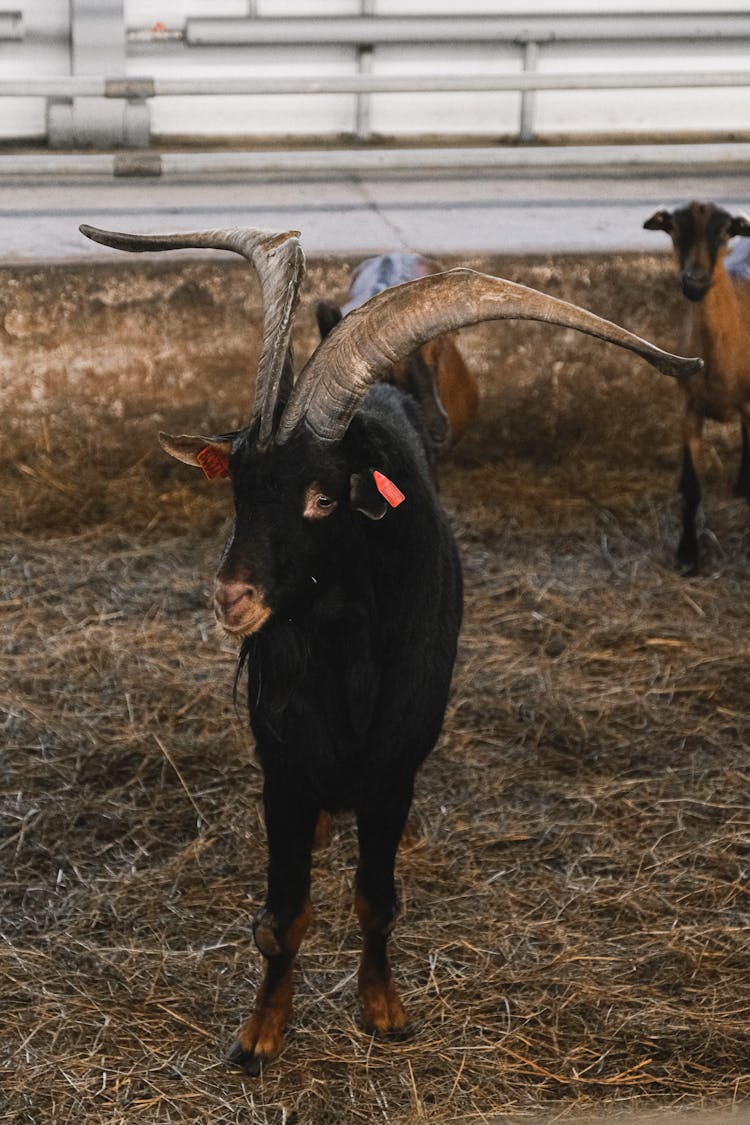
{"x": 380, "y": 824}
{"x": 280, "y": 926}
{"x": 690, "y": 489}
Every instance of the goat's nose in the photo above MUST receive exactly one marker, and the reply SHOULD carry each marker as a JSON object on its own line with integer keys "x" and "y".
{"x": 240, "y": 609}
{"x": 229, "y": 597}
{"x": 695, "y": 283}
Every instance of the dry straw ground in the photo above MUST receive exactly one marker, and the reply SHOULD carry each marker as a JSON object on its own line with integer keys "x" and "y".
{"x": 575, "y": 880}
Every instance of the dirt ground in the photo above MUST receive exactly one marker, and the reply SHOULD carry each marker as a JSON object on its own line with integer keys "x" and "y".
{"x": 574, "y": 940}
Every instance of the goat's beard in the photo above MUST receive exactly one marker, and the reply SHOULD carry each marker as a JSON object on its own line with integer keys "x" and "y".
{"x": 251, "y": 623}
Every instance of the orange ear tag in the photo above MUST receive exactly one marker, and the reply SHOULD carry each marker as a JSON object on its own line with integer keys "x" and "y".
{"x": 213, "y": 463}
{"x": 387, "y": 489}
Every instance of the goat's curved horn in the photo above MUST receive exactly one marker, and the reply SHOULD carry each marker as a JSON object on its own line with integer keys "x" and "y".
{"x": 280, "y": 265}
{"x": 392, "y": 324}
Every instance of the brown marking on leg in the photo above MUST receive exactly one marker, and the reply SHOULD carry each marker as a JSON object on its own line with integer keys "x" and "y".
{"x": 411, "y": 838}
{"x": 323, "y": 827}
{"x": 382, "y": 1010}
{"x": 260, "y": 1038}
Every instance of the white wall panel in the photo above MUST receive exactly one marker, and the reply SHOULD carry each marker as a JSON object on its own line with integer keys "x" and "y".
{"x": 42, "y": 51}
{"x": 658, "y": 111}
{"x": 45, "y": 52}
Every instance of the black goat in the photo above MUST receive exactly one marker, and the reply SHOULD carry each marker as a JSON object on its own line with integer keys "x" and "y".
{"x": 342, "y": 582}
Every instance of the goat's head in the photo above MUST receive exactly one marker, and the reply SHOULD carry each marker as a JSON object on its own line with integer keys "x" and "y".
{"x": 302, "y": 475}
{"x": 293, "y": 501}
{"x": 700, "y": 233}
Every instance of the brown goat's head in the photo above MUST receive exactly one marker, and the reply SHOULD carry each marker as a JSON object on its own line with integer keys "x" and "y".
{"x": 700, "y": 233}
{"x": 298, "y": 483}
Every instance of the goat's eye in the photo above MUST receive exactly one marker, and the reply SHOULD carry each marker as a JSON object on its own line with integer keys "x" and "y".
{"x": 318, "y": 504}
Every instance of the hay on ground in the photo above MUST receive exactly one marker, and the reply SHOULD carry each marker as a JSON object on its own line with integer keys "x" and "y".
{"x": 575, "y": 881}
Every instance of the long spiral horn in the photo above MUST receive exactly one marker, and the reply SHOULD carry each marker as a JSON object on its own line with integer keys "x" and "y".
{"x": 391, "y": 325}
{"x": 279, "y": 263}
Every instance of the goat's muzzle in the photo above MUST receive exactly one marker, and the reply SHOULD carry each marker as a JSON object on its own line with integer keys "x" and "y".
{"x": 695, "y": 284}
{"x": 240, "y": 608}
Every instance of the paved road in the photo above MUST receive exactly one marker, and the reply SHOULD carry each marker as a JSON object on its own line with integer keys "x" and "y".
{"x": 509, "y": 210}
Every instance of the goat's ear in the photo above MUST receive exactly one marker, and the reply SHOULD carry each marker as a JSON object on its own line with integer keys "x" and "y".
{"x": 209, "y": 454}
{"x": 327, "y": 314}
{"x": 660, "y": 220}
{"x": 373, "y": 493}
{"x": 739, "y": 224}
{"x": 364, "y": 496}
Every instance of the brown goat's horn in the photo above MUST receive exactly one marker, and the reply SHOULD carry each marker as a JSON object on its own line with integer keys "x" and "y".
{"x": 392, "y": 324}
{"x": 280, "y": 265}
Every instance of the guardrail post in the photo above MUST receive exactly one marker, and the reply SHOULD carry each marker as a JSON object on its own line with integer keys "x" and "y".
{"x": 364, "y": 66}
{"x": 526, "y": 130}
{"x": 97, "y": 46}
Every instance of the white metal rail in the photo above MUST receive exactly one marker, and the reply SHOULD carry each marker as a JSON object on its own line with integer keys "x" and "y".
{"x": 307, "y": 164}
{"x": 100, "y": 87}
{"x": 80, "y": 106}
{"x": 377, "y": 31}
{"x": 97, "y": 87}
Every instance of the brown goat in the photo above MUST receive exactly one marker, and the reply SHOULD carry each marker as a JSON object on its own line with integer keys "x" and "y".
{"x": 717, "y": 328}
{"x": 436, "y": 375}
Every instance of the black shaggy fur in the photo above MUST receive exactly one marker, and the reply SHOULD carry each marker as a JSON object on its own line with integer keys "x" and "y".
{"x": 363, "y": 655}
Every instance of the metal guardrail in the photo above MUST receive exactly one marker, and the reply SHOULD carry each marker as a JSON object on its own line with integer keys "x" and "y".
{"x": 529, "y": 33}
{"x": 100, "y": 87}
{"x": 79, "y": 106}
{"x": 375, "y": 31}
{"x": 312, "y": 164}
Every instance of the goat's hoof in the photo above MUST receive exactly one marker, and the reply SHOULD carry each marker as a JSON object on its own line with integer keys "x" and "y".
{"x": 253, "y": 1059}
{"x": 248, "y": 1061}
{"x": 382, "y": 1012}
{"x": 687, "y": 559}
{"x": 384, "y": 1033}
{"x": 395, "y": 1034}
{"x": 258, "y": 1040}
{"x": 688, "y": 568}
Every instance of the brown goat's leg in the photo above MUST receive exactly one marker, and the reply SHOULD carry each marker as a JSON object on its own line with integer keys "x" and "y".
{"x": 279, "y": 927}
{"x": 380, "y": 828}
{"x": 261, "y": 1037}
{"x": 382, "y": 1010}
{"x": 690, "y": 490}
